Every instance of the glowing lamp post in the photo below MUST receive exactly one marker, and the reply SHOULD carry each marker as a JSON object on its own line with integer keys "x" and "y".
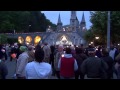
{"x": 96, "y": 37}
{"x": 91, "y": 42}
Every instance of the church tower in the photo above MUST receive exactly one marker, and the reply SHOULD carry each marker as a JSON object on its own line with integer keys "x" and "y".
{"x": 73, "y": 21}
{"x": 59, "y": 24}
{"x": 77, "y": 24}
{"x": 83, "y": 23}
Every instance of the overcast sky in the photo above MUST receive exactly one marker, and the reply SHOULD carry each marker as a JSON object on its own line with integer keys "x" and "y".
{"x": 65, "y": 17}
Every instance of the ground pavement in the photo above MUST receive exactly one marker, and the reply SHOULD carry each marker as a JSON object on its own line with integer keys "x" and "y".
{"x": 11, "y": 65}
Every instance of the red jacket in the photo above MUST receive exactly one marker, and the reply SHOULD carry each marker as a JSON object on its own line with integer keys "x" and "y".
{"x": 67, "y": 67}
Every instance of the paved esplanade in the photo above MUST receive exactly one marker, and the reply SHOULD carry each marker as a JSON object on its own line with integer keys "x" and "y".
{"x": 11, "y": 69}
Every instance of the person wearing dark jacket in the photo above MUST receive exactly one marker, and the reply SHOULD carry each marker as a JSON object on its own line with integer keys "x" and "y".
{"x": 17, "y": 51}
{"x": 80, "y": 57}
{"x": 109, "y": 61}
{"x": 3, "y": 68}
{"x": 52, "y": 56}
{"x": 13, "y": 51}
{"x": 3, "y": 52}
{"x": 94, "y": 67}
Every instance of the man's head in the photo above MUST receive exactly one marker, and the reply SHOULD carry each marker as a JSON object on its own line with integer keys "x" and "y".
{"x": 105, "y": 52}
{"x": 91, "y": 52}
{"x": 23, "y": 48}
{"x": 72, "y": 47}
{"x": 30, "y": 48}
{"x": 79, "y": 50}
{"x": 45, "y": 43}
{"x": 111, "y": 47}
{"x": 60, "y": 48}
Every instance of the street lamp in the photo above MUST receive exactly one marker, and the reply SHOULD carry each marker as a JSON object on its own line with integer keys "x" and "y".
{"x": 91, "y": 42}
{"x": 96, "y": 37}
{"x": 29, "y": 28}
{"x": 108, "y": 31}
{"x": 95, "y": 41}
{"x": 14, "y": 34}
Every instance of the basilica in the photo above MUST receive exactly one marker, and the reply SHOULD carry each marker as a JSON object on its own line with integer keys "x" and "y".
{"x": 72, "y": 34}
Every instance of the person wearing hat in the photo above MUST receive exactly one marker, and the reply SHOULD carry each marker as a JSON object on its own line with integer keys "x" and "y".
{"x": 21, "y": 63}
{"x": 47, "y": 52}
{"x": 94, "y": 67}
{"x": 30, "y": 53}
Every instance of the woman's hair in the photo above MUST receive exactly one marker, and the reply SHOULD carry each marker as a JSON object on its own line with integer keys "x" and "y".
{"x": 68, "y": 50}
{"x": 105, "y": 52}
{"x": 79, "y": 50}
{"x": 39, "y": 55}
{"x": 38, "y": 47}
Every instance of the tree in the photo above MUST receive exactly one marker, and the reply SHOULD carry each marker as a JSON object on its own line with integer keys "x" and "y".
{"x": 20, "y": 21}
{"x": 89, "y": 36}
{"x": 3, "y": 39}
{"x": 99, "y": 25}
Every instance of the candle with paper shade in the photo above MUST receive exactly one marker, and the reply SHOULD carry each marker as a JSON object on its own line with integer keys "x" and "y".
{"x": 13, "y": 55}
{"x": 62, "y": 55}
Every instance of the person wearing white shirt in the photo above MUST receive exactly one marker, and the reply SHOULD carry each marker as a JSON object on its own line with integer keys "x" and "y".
{"x": 38, "y": 69}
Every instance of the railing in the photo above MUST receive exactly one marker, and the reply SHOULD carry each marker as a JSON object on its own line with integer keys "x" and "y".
{"x": 24, "y": 33}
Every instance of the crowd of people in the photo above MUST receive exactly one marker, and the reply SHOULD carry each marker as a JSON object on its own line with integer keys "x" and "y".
{"x": 64, "y": 62}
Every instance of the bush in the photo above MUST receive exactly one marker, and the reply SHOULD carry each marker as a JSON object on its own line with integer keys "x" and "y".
{"x": 12, "y": 40}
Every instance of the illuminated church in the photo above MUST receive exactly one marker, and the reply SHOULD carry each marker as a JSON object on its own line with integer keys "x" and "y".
{"x": 69, "y": 34}
{"x": 72, "y": 34}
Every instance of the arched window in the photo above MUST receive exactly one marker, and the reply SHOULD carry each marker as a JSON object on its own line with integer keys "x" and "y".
{"x": 37, "y": 39}
{"x": 28, "y": 39}
{"x": 20, "y": 40}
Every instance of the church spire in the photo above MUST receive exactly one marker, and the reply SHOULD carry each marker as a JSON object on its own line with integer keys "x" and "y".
{"x": 73, "y": 14}
{"x": 83, "y": 18}
{"x": 59, "y": 24}
{"x": 59, "y": 19}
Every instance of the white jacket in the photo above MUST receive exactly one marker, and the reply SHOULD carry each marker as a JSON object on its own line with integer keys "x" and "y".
{"x": 36, "y": 70}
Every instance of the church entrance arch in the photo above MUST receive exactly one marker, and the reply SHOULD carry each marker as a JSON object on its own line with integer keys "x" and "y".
{"x": 37, "y": 39}
{"x": 20, "y": 40}
{"x": 63, "y": 40}
{"x": 28, "y": 40}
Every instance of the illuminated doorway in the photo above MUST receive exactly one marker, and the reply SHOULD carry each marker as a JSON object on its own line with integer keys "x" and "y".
{"x": 20, "y": 40}
{"x": 63, "y": 40}
{"x": 37, "y": 40}
{"x": 28, "y": 40}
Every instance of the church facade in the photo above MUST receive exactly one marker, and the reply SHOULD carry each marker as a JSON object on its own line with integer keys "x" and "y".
{"x": 72, "y": 34}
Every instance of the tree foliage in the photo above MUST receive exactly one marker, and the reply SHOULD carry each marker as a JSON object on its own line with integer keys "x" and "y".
{"x": 3, "y": 39}
{"x": 12, "y": 40}
{"x": 20, "y": 21}
{"x": 89, "y": 36}
{"x": 99, "y": 25}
